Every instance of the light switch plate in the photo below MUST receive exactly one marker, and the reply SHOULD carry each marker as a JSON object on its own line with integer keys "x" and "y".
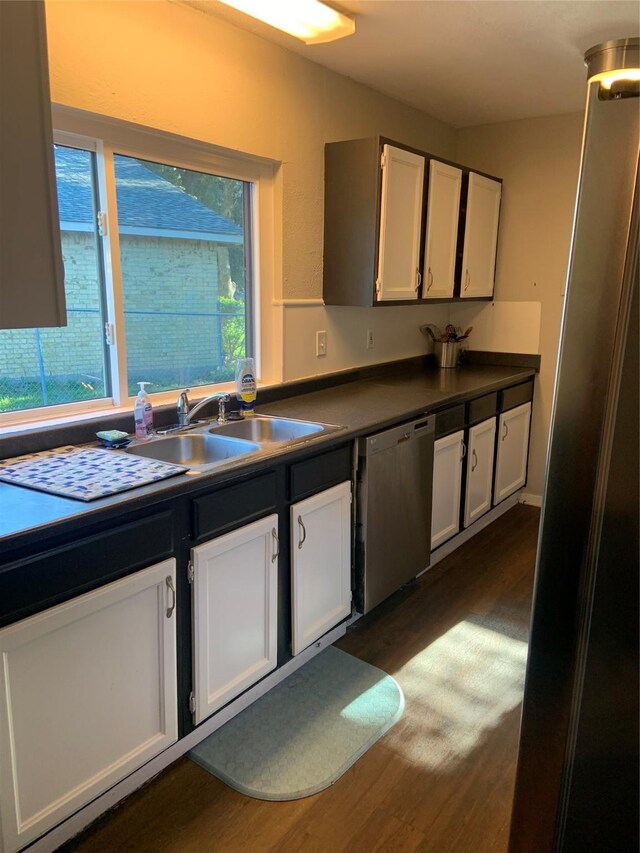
{"x": 321, "y": 343}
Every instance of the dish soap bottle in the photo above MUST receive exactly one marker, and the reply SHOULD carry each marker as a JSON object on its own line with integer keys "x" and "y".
{"x": 143, "y": 413}
{"x": 246, "y": 385}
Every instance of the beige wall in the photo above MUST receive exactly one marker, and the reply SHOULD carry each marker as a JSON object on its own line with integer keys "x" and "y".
{"x": 169, "y": 67}
{"x": 165, "y": 66}
{"x": 161, "y": 65}
{"x": 538, "y": 160}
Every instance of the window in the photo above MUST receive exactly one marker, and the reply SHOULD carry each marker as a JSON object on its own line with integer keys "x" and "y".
{"x": 159, "y": 280}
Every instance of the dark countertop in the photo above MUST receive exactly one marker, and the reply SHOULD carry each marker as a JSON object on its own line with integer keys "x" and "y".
{"x": 361, "y": 407}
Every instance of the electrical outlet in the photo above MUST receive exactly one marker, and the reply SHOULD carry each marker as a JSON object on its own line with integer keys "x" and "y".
{"x": 370, "y": 343}
{"x": 321, "y": 343}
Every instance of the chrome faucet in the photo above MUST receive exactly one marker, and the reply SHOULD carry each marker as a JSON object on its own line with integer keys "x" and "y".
{"x": 185, "y": 416}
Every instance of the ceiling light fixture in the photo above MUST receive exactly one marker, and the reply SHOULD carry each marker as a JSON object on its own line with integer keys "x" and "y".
{"x": 615, "y": 66}
{"x": 308, "y": 20}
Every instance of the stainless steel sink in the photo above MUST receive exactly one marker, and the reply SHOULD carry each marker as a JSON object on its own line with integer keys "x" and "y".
{"x": 194, "y": 449}
{"x": 270, "y": 430}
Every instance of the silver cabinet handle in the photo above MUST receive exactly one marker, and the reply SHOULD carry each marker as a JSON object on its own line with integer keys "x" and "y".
{"x": 464, "y": 451}
{"x": 429, "y": 279}
{"x": 467, "y": 279}
{"x": 172, "y": 590}
{"x": 276, "y": 545}
{"x": 506, "y": 431}
{"x": 303, "y": 530}
{"x": 419, "y": 280}
{"x": 474, "y": 464}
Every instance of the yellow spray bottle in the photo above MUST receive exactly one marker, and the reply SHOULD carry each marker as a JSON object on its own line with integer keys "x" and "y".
{"x": 246, "y": 385}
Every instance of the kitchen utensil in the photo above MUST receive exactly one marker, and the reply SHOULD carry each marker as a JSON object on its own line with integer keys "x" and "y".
{"x": 428, "y": 330}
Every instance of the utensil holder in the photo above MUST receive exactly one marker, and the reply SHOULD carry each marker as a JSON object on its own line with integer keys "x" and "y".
{"x": 447, "y": 354}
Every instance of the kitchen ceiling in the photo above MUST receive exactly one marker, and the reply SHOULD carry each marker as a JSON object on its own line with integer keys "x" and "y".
{"x": 466, "y": 62}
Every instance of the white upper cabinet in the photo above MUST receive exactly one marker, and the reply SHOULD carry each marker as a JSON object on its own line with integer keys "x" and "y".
{"x": 480, "y": 236}
{"x": 87, "y": 695}
{"x": 443, "y": 209}
{"x": 376, "y": 220}
{"x": 399, "y": 275}
{"x": 31, "y": 270}
{"x": 512, "y": 452}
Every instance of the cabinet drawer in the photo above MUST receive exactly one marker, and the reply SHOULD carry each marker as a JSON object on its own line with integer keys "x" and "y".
{"x": 450, "y": 420}
{"x": 320, "y": 472}
{"x": 29, "y": 586}
{"x": 233, "y": 506}
{"x": 482, "y": 408}
{"x": 516, "y": 396}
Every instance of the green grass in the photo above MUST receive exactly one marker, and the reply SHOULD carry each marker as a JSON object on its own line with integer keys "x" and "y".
{"x": 16, "y": 394}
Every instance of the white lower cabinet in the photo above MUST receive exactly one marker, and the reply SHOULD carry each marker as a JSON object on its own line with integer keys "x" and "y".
{"x": 87, "y": 695}
{"x": 480, "y": 452}
{"x": 447, "y": 477}
{"x": 320, "y": 564}
{"x": 512, "y": 452}
{"x": 235, "y": 618}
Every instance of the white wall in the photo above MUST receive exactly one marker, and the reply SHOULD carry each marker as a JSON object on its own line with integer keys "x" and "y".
{"x": 539, "y": 161}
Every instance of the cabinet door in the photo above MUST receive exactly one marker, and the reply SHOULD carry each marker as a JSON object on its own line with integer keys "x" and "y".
{"x": 320, "y": 564}
{"x": 87, "y": 695}
{"x": 480, "y": 236}
{"x": 480, "y": 452}
{"x": 234, "y": 613}
{"x": 31, "y": 271}
{"x": 443, "y": 209}
{"x": 512, "y": 452}
{"x": 447, "y": 474}
{"x": 400, "y": 224}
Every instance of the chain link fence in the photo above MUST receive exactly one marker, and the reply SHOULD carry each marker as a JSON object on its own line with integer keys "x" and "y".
{"x": 48, "y": 367}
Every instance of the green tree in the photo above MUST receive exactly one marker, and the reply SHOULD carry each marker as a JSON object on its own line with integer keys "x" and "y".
{"x": 222, "y": 195}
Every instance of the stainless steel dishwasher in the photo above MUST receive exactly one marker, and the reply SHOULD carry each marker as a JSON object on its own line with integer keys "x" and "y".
{"x": 393, "y": 509}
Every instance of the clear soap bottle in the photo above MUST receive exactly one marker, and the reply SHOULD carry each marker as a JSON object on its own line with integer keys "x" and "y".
{"x": 143, "y": 413}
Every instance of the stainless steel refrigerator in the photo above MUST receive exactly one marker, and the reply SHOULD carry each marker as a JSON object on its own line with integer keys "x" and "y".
{"x": 577, "y": 778}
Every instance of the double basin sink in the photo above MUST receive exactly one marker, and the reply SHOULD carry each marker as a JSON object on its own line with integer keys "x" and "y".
{"x": 214, "y": 445}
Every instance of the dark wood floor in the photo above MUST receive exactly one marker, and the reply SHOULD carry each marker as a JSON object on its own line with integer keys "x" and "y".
{"x": 440, "y": 781}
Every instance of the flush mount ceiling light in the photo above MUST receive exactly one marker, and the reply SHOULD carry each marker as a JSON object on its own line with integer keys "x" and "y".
{"x": 308, "y": 20}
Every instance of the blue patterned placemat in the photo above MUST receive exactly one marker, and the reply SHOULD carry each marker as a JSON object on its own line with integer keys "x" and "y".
{"x": 84, "y": 474}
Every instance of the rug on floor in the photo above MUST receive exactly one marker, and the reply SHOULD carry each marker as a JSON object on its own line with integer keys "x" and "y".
{"x": 307, "y": 731}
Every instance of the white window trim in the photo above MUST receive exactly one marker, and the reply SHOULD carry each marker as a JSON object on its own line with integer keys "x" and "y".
{"x": 105, "y": 136}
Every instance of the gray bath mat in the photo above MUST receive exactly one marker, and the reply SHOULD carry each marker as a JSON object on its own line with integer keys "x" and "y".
{"x": 307, "y": 731}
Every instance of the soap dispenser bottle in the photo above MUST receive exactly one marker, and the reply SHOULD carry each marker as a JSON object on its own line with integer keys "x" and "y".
{"x": 143, "y": 413}
{"x": 246, "y": 386}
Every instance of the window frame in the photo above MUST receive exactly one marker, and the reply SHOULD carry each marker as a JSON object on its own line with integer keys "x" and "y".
{"x": 106, "y": 137}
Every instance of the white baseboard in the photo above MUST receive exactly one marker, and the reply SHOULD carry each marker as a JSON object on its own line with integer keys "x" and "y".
{"x": 81, "y": 819}
{"x": 530, "y": 500}
{"x": 469, "y": 532}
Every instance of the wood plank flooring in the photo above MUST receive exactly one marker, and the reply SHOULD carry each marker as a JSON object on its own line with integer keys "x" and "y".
{"x": 440, "y": 781}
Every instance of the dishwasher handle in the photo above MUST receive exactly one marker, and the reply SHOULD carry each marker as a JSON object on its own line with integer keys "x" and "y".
{"x": 426, "y": 425}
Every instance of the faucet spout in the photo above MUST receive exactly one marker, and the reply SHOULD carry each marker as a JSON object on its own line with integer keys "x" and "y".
{"x": 185, "y": 416}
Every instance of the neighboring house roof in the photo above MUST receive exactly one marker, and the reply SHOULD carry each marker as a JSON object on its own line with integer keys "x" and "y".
{"x": 147, "y": 203}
